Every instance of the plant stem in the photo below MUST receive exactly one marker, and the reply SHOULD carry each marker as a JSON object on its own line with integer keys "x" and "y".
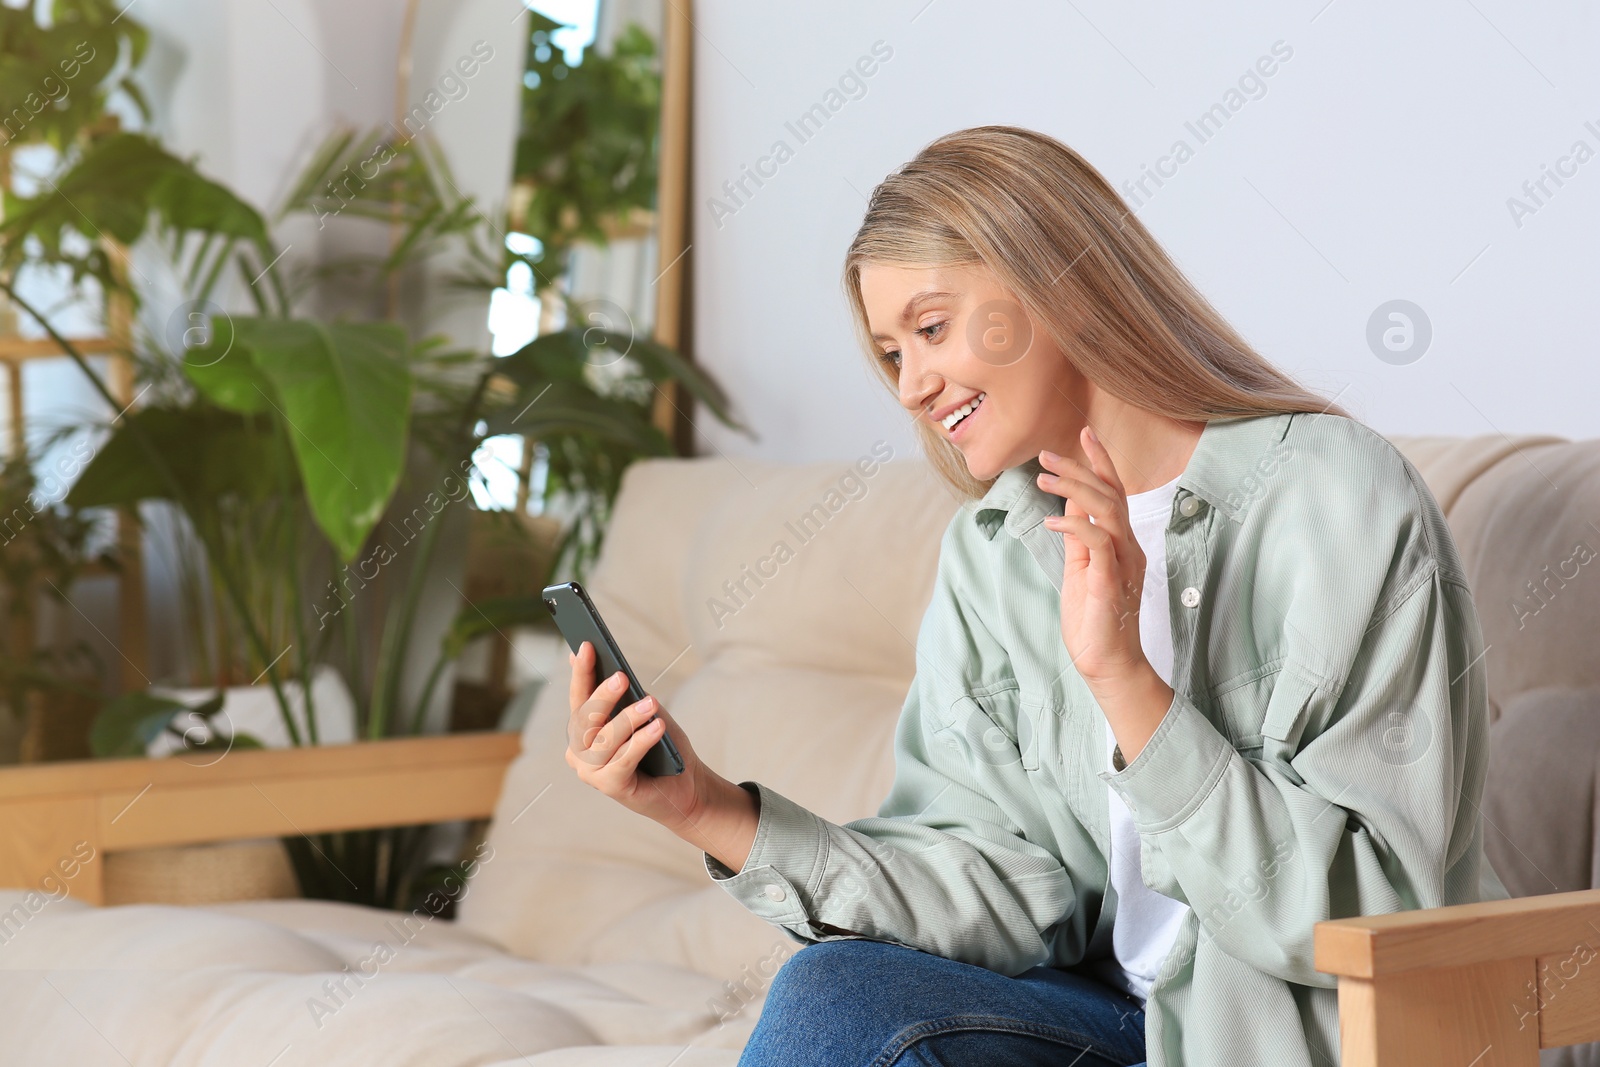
{"x": 428, "y": 687}
{"x": 216, "y": 269}
{"x": 392, "y": 656}
{"x": 296, "y": 610}
{"x": 353, "y": 651}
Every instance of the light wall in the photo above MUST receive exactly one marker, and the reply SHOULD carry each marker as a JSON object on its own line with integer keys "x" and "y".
{"x": 1375, "y": 163}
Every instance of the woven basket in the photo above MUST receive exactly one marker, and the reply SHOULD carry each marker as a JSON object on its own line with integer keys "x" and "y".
{"x": 201, "y": 874}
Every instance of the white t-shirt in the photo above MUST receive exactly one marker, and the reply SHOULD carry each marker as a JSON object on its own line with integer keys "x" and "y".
{"x": 1147, "y": 922}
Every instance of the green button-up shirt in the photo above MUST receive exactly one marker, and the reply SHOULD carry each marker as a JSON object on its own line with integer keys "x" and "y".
{"x": 1323, "y": 755}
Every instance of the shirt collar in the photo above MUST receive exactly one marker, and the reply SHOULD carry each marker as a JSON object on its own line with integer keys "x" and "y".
{"x": 1223, "y": 459}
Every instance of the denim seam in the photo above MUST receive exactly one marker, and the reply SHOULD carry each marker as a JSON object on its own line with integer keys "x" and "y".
{"x": 905, "y": 1039}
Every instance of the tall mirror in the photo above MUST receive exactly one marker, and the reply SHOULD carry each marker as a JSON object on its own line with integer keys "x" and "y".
{"x": 594, "y": 243}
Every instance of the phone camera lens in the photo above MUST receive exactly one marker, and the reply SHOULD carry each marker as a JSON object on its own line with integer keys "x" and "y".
{"x": 551, "y": 604}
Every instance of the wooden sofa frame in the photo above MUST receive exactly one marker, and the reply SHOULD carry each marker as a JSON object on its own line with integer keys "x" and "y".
{"x": 56, "y": 819}
{"x": 1474, "y": 985}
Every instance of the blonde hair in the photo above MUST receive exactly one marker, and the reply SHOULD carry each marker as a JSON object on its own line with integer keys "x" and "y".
{"x": 1055, "y": 234}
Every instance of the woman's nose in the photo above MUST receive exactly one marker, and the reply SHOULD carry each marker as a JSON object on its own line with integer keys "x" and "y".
{"x": 917, "y": 388}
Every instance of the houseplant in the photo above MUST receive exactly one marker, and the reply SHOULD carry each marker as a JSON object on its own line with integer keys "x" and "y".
{"x": 283, "y": 440}
{"x": 586, "y": 144}
{"x": 256, "y": 453}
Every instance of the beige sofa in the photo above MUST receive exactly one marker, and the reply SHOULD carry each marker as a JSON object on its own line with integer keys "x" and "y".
{"x": 774, "y": 609}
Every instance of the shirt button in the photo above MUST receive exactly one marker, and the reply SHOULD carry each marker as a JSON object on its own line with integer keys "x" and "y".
{"x": 775, "y": 892}
{"x": 1190, "y": 597}
{"x": 1189, "y": 507}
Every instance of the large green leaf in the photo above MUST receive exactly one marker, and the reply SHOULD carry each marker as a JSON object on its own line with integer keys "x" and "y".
{"x": 226, "y": 373}
{"x": 337, "y": 398}
{"x": 114, "y": 189}
{"x": 212, "y": 453}
{"x": 343, "y": 393}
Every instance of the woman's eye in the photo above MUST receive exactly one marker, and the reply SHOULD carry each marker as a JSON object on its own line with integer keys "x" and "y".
{"x": 931, "y": 331}
{"x": 891, "y": 358}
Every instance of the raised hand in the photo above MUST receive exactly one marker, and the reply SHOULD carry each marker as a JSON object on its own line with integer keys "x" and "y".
{"x": 1102, "y": 580}
{"x": 1102, "y": 583}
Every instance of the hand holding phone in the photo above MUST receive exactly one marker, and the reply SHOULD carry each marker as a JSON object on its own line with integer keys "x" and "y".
{"x": 579, "y": 620}
{"x": 616, "y": 733}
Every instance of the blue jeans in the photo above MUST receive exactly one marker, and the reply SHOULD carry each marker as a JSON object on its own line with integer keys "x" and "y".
{"x": 856, "y": 1003}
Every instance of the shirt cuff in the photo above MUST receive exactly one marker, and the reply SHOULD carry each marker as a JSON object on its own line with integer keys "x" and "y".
{"x": 1175, "y": 771}
{"x": 787, "y": 854}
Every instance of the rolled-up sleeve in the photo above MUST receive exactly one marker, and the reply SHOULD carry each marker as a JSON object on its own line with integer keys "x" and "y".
{"x": 951, "y": 864}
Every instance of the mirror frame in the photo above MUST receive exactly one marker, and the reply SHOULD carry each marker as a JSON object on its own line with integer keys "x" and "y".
{"x": 672, "y": 210}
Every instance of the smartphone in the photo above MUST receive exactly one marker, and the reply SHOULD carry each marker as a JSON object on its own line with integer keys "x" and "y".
{"x": 578, "y": 621}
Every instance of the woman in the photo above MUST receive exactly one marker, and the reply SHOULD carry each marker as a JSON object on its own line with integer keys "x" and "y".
{"x": 1200, "y": 669}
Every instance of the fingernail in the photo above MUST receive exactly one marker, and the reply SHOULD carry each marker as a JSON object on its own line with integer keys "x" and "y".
{"x": 1047, "y": 456}
{"x": 1094, "y": 436}
{"x": 618, "y": 681}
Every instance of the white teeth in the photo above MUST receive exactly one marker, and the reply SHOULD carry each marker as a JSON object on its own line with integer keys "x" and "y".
{"x": 963, "y": 411}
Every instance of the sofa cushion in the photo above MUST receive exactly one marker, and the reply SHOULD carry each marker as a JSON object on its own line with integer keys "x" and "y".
{"x": 774, "y": 609}
{"x": 300, "y": 983}
{"x": 1541, "y": 801}
{"x": 1520, "y": 510}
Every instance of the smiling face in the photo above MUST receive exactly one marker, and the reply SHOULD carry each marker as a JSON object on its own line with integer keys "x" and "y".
{"x": 971, "y": 363}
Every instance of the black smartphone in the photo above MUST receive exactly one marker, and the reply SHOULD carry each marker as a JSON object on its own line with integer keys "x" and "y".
{"x": 578, "y": 621}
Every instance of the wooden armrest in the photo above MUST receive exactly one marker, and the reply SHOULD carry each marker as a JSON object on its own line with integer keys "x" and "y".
{"x": 1486, "y": 984}
{"x": 56, "y": 818}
